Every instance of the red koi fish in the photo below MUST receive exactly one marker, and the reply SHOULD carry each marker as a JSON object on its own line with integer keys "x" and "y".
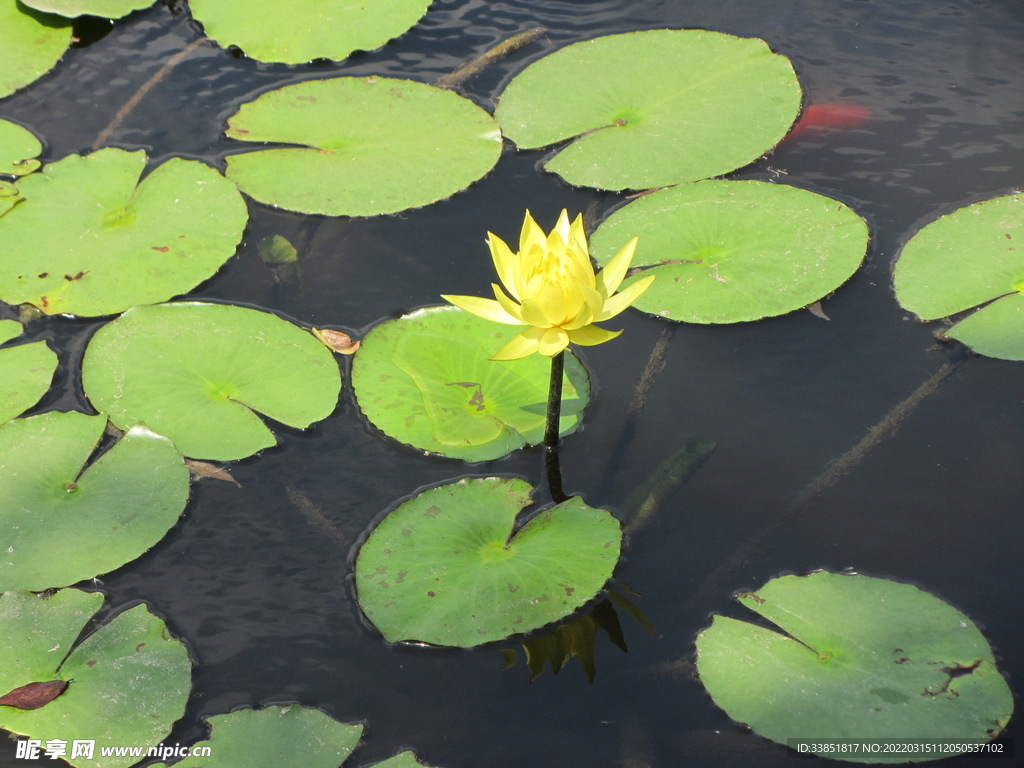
{"x": 830, "y": 114}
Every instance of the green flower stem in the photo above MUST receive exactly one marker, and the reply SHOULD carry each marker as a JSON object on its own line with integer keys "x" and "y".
{"x": 551, "y": 463}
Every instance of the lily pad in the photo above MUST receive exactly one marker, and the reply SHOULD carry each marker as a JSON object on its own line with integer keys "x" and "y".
{"x": 18, "y": 147}
{"x": 128, "y": 680}
{"x": 302, "y": 30}
{"x": 65, "y": 523}
{"x": 368, "y": 145}
{"x": 105, "y": 9}
{"x": 25, "y": 373}
{"x": 863, "y": 658}
{"x": 425, "y": 379}
{"x": 33, "y": 44}
{"x": 730, "y": 251}
{"x": 966, "y": 259}
{"x": 276, "y": 737}
{"x": 199, "y": 374}
{"x": 650, "y": 109}
{"x": 89, "y": 239}
{"x": 10, "y": 329}
{"x": 446, "y": 568}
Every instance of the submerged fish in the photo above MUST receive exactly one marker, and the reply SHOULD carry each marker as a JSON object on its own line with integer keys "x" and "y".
{"x": 830, "y": 114}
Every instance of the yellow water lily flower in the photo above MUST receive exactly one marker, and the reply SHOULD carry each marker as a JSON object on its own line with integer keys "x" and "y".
{"x": 554, "y": 290}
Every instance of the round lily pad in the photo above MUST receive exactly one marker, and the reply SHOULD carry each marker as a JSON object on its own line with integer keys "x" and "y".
{"x": 89, "y": 239}
{"x": 33, "y": 43}
{"x": 18, "y": 147}
{"x": 650, "y": 109}
{"x": 276, "y": 737}
{"x": 425, "y": 380}
{"x": 301, "y": 30}
{"x": 445, "y": 567}
{"x": 966, "y": 259}
{"x": 127, "y": 682}
{"x": 199, "y": 373}
{"x": 106, "y": 9}
{"x": 730, "y": 251}
{"x": 25, "y": 374}
{"x": 66, "y": 520}
{"x": 861, "y": 658}
{"x": 369, "y": 145}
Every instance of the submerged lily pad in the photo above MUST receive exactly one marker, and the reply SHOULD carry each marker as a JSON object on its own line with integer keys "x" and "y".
{"x": 127, "y": 682}
{"x": 277, "y": 737}
{"x": 25, "y": 372}
{"x": 301, "y": 30}
{"x": 18, "y": 147}
{"x": 971, "y": 257}
{"x": 425, "y": 380}
{"x": 445, "y": 567}
{"x": 730, "y": 251}
{"x": 863, "y": 658}
{"x": 90, "y": 239}
{"x": 33, "y": 44}
{"x": 650, "y": 109}
{"x": 105, "y": 9}
{"x": 64, "y": 523}
{"x": 369, "y": 145}
{"x": 199, "y": 374}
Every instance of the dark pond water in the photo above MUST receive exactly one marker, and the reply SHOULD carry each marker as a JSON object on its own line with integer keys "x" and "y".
{"x": 261, "y": 589}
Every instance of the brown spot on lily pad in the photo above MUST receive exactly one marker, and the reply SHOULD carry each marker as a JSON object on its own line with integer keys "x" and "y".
{"x": 138, "y": 646}
{"x": 161, "y": 248}
{"x": 34, "y": 695}
{"x": 432, "y": 511}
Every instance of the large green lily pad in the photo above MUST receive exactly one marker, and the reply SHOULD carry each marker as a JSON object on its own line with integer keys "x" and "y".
{"x": 89, "y": 239}
{"x": 368, "y": 145}
{"x": 969, "y": 258}
{"x": 445, "y": 567}
{"x": 730, "y": 251}
{"x": 106, "y": 9}
{"x": 25, "y": 372}
{"x": 276, "y": 737}
{"x": 127, "y": 682}
{"x": 66, "y": 521}
{"x": 650, "y": 109}
{"x": 862, "y": 658}
{"x": 199, "y": 373}
{"x": 302, "y": 30}
{"x": 425, "y": 379}
{"x": 18, "y": 147}
{"x": 33, "y": 43}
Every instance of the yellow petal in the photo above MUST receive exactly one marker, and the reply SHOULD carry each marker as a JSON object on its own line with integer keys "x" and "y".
{"x": 485, "y": 308}
{"x": 505, "y": 263}
{"x": 620, "y": 301}
{"x": 553, "y": 341}
{"x": 530, "y": 235}
{"x": 562, "y": 227}
{"x": 521, "y": 345}
{"x": 532, "y": 314}
{"x": 589, "y": 335}
{"x": 610, "y": 277}
{"x": 507, "y": 304}
{"x": 578, "y": 237}
{"x": 592, "y": 304}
